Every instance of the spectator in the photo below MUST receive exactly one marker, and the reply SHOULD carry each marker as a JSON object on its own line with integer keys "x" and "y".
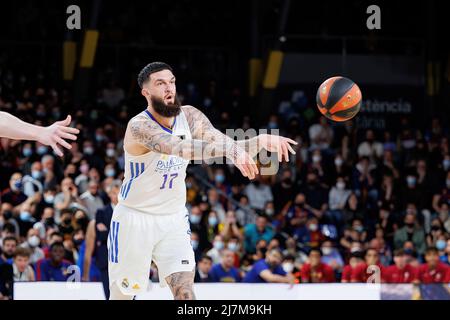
{"x": 91, "y": 199}
{"x": 9, "y": 245}
{"x": 316, "y": 271}
{"x": 410, "y": 232}
{"x": 255, "y": 232}
{"x": 258, "y": 193}
{"x": 230, "y": 227}
{"x": 32, "y": 245}
{"x": 203, "y": 268}
{"x": 354, "y": 261}
{"x": 14, "y": 195}
{"x": 433, "y": 271}
{"x": 55, "y": 267}
{"x": 331, "y": 256}
{"x": 370, "y": 148}
{"x": 370, "y": 270}
{"x": 21, "y": 265}
{"x": 225, "y": 270}
{"x": 321, "y": 135}
{"x": 269, "y": 270}
{"x": 64, "y": 199}
{"x": 214, "y": 252}
{"x": 400, "y": 271}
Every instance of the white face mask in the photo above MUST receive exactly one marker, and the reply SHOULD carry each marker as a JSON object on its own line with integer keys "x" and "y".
{"x": 327, "y": 250}
{"x": 316, "y": 158}
{"x": 288, "y": 266}
{"x": 340, "y": 185}
{"x": 338, "y": 162}
{"x": 110, "y": 152}
{"x": 313, "y": 227}
{"x": 34, "y": 241}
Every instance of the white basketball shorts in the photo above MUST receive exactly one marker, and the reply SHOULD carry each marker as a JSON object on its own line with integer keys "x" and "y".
{"x": 136, "y": 238}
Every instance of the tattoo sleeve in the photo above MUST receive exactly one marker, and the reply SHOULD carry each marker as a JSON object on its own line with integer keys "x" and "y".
{"x": 150, "y": 135}
{"x": 180, "y": 284}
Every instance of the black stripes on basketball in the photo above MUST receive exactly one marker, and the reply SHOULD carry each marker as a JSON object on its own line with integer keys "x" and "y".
{"x": 348, "y": 113}
{"x": 338, "y": 90}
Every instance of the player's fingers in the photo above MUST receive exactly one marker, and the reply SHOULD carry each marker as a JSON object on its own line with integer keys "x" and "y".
{"x": 64, "y": 122}
{"x": 57, "y": 150}
{"x": 241, "y": 169}
{"x": 285, "y": 152}
{"x": 291, "y": 141}
{"x": 290, "y": 148}
{"x": 63, "y": 143}
{"x": 69, "y": 129}
{"x": 251, "y": 173}
{"x": 65, "y": 135}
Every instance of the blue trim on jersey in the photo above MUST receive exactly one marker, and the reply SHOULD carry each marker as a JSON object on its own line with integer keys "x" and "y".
{"x": 116, "y": 260}
{"x": 136, "y": 171}
{"x": 162, "y": 126}
{"x": 111, "y": 243}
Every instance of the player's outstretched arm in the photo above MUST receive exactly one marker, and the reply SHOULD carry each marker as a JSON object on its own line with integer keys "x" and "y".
{"x": 202, "y": 128}
{"x": 13, "y": 128}
{"x": 150, "y": 135}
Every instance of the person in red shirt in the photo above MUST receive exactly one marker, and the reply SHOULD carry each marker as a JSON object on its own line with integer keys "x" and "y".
{"x": 315, "y": 271}
{"x": 433, "y": 271}
{"x": 355, "y": 259}
{"x": 400, "y": 272}
{"x": 370, "y": 271}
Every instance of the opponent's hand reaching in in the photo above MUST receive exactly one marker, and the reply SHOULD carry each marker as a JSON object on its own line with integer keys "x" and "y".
{"x": 56, "y": 133}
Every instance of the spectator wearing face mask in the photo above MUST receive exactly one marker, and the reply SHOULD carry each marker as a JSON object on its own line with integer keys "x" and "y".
{"x": 32, "y": 245}
{"x": 234, "y": 245}
{"x": 212, "y": 225}
{"x": 14, "y": 195}
{"x": 400, "y": 271}
{"x": 82, "y": 180}
{"x": 258, "y": 193}
{"x": 55, "y": 267}
{"x": 312, "y": 236}
{"x": 202, "y": 269}
{"x": 370, "y": 147}
{"x": 337, "y": 199}
{"x": 218, "y": 246}
{"x": 411, "y": 231}
{"x": 21, "y": 266}
{"x": 433, "y": 271}
{"x": 284, "y": 190}
{"x": 32, "y": 183}
{"x": 332, "y": 257}
{"x": 225, "y": 270}
{"x": 411, "y": 193}
{"x": 315, "y": 271}
{"x": 441, "y": 245}
{"x": 66, "y": 198}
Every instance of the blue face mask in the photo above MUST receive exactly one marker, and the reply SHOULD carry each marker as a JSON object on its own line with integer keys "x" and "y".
{"x": 42, "y": 150}
{"x": 195, "y": 219}
{"x": 220, "y": 178}
{"x": 25, "y": 216}
{"x": 110, "y": 172}
{"x": 36, "y": 174}
{"x": 441, "y": 245}
{"x": 194, "y": 244}
{"x": 17, "y": 184}
{"x": 218, "y": 245}
{"x": 212, "y": 221}
{"x": 27, "y": 152}
{"x": 233, "y": 246}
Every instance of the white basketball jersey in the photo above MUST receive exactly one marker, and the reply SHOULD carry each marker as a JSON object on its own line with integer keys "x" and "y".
{"x": 154, "y": 183}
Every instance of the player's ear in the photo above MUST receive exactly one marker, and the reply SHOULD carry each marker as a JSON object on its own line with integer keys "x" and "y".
{"x": 145, "y": 93}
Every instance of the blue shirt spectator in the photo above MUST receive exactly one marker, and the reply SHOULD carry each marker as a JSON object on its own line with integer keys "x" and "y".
{"x": 225, "y": 270}
{"x": 55, "y": 267}
{"x": 268, "y": 270}
{"x": 255, "y": 232}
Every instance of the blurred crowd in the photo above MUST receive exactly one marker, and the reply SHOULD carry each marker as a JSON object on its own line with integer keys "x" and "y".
{"x": 349, "y": 199}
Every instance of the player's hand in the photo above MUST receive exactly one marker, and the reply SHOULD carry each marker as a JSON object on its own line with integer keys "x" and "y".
{"x": 245, "y": 163}
{"x": 279, "y": 144}
{"x": 55, "y": 134}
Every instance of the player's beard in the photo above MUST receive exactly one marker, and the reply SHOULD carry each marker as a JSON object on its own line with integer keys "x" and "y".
{"x": 166, "y": 110}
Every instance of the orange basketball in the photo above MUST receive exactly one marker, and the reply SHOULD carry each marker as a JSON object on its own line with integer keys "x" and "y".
{"x": 339, "y": 98}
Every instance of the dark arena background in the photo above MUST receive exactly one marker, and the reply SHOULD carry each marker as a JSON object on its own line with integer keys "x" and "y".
{"x": 373, "y": 191}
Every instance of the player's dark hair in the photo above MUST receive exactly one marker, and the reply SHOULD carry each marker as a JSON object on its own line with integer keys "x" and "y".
{"x": 152, "y": 67}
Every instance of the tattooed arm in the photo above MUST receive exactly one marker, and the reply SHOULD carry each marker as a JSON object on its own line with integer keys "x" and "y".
{"x": 150, "y": 135}
{"x": 202, "y": 128}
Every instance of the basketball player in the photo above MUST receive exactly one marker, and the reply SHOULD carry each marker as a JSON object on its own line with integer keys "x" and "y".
{"x": 13, "y": 128}
{"x": 150, "y": 221}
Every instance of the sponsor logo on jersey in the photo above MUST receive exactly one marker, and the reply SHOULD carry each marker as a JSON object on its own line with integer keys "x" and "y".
{"x": 169, "y": 163}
